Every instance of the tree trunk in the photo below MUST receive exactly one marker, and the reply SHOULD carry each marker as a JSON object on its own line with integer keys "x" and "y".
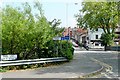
{"x": 105, "y": 48}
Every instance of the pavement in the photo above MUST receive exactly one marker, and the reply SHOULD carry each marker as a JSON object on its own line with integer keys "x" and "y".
{"x": 0, "y": 76}
{"x": 110, "y": 58}
{"x": 80, "y": 65}
{"x": 92, "y": 50}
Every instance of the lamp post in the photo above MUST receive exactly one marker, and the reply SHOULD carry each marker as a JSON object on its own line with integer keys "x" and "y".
{"x": 75, "y": 27}
{"x": 76, "y": 3}
{"x": 66, "y": 15}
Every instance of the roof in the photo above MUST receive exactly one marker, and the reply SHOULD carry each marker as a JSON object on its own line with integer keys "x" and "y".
{"x": 80, "y": 30}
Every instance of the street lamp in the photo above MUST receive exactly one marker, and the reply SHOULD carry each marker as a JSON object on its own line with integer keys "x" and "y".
{"x": 75, "y": 29}
{"x": 76, "y": 3}
{"x": 68, "y": 28}
{"x": 66, "y": 14}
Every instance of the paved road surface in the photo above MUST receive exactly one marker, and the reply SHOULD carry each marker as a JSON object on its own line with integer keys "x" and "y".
{"x": 80, "y": 65}
{"x": 109, "y": 58}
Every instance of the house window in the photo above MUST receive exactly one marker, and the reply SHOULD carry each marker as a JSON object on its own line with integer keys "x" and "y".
{"x": 96, "y": 36}
{"x": 96, "y": 44}
{"x": 102, "y": 44}
{"x": 96, "y": 29}
{"x": 87, "y": 38}
{"x": 83, "y": 39}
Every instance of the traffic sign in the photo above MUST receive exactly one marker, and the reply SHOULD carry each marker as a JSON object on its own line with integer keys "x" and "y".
{"x": 9, "y": 57}
{"x": 57, "y": 38}
{"x": 62, "y": 38}
{"x": 67, "y": 37}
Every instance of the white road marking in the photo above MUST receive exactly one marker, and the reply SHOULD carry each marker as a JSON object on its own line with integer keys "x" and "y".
{"x": 105, "y": 75}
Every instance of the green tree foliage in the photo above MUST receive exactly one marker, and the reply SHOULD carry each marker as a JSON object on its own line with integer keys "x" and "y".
{"x": 54, "y": 24}
{"x": 67, "y": 50}
{"x": 58, "y": 48}
{"x": 11, "y": 33}
{"x": 106, "y": 39}
{"x": 22, "y": 34}
{"x": 0, "y": 33}
{"x": 99, "y": 15}
{"x": 31, "y": 36}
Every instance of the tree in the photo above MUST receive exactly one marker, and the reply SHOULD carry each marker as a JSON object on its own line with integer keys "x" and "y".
{"x": 99, "y": 15}
{"x": 54, "y": 24}
{"x": 10, "y": 30}
{"x": 30, "y": 36}
{"x": 106, "y": 40}
{"x": 22, "y": 33}
{"x": 0, "y": 34}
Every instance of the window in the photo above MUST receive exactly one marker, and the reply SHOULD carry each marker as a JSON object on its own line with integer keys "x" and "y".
{"x": 96, "y": 36}
{"x": 102, "y": 44}
{"x": 96, "y": 44}
{"x": 87, "y": 38}
{"x": 96, "y": 29}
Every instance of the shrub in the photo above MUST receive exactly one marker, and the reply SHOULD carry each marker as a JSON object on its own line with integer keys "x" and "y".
{"x": 66, "y": 50}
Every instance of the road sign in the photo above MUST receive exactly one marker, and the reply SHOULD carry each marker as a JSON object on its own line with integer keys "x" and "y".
{"x": 62, "y": 38}
{"x": 8, "y": 57}
{"x": 57, "y": 38}
{"x": 67, "y": 37}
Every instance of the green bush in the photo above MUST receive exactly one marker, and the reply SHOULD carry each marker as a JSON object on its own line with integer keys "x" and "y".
{"x": 107, "y": 39}
{"x": 22, "y": 34}
{"x": 30, "y": 38}
{"x": 2, "y": 70}
{"x": 65, "y": 50}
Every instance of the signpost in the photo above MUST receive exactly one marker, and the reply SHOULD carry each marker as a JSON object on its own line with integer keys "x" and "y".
{"x": 60, "y": 39}
{"x": 8, "y": 57}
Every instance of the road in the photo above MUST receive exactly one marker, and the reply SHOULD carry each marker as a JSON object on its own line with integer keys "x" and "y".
{"x": 110, "y": 58}
{"x": 80, "y": 65}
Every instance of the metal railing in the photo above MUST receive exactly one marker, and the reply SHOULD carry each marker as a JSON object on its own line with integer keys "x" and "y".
{"x": 32, "y": 61}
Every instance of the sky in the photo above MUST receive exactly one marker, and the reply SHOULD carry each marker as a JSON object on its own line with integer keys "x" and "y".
{"x": 64, "y": 10}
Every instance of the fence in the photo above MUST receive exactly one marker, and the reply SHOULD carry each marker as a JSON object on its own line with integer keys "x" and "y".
{"x": 114, "y": 48}
{"x": 32, "y": 61}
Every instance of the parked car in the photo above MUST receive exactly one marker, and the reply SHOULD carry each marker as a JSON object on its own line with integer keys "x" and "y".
{"x": 74, "y": 44}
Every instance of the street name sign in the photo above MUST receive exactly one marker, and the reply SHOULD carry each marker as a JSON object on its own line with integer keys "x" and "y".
{"x": 67, "y": 37}
{"x": 57, "y": 38}
{"x": 8, "y": 57}
{"x": 62, "y": 38}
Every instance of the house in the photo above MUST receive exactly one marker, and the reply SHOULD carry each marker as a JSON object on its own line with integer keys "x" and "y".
{"x": 76, "y": 33}
{"x": 91, "y": 37}
{"x": 67, "y": 32}
{"x": 117, "y": 31}
{"x": 94, "y": 38}
{"x": 80, "y": 34}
